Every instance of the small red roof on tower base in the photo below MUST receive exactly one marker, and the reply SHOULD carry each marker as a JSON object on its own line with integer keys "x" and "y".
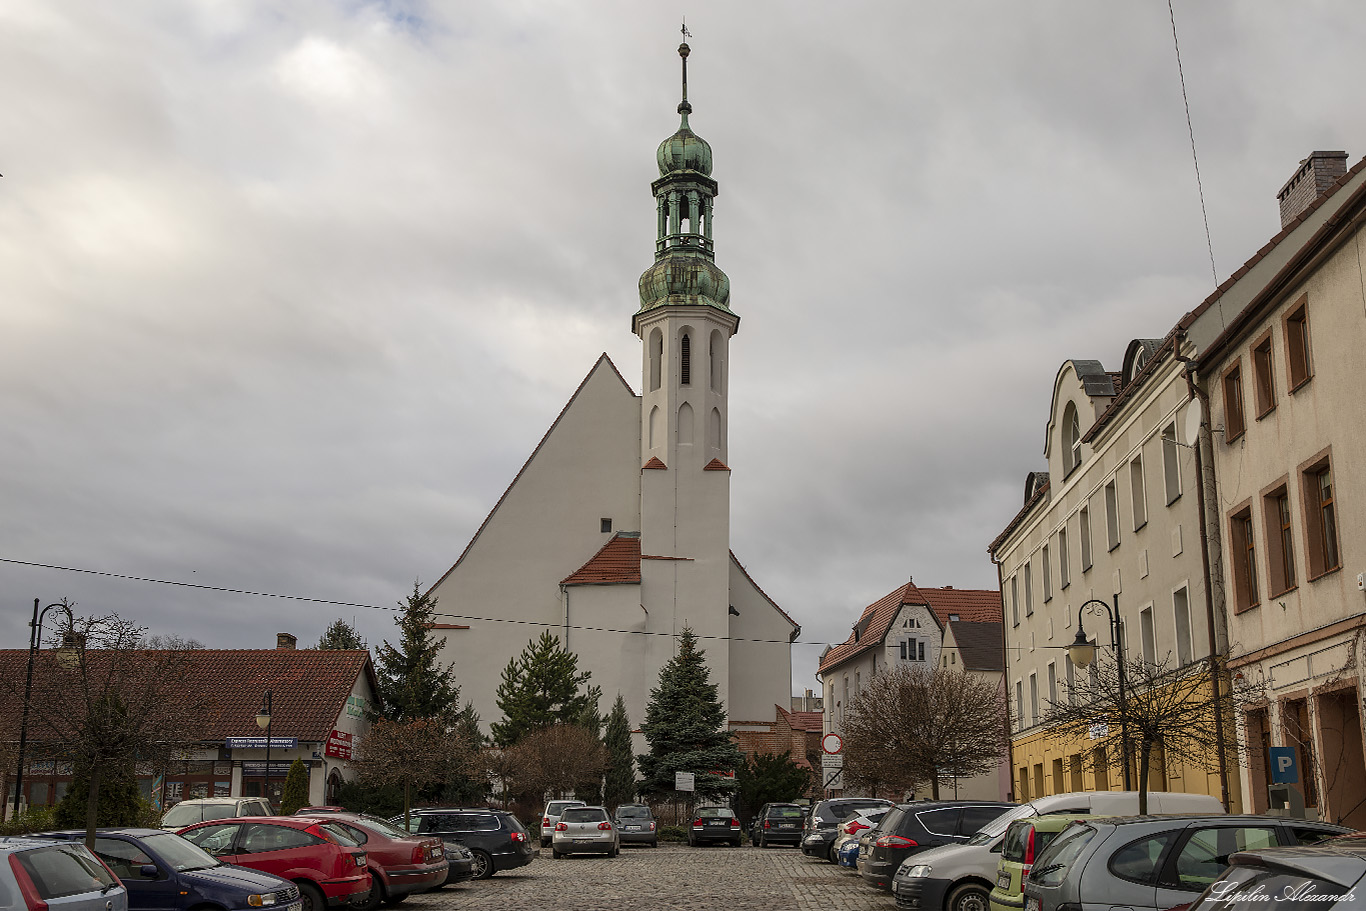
{"x": 716, "y": 465}
{"x": 617, "y": 563}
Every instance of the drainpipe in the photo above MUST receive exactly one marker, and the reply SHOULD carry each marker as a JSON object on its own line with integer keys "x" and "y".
{"x": 1005, "y": 679}
{"x": 1207, "y": 487}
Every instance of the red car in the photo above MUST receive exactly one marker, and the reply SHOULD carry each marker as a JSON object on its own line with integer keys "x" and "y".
{"x": 321, "y": 858}
{"x": 399, "y": 863}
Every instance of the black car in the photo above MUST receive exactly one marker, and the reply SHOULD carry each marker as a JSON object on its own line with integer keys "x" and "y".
{"x": 910, "y": 828}
{"x": 711, "y": 824}
{"x": 778, "y": 824}
{"x": 819, "y": 835}
{"x": 163, "y": 871}
{"x": 496, "y": 838}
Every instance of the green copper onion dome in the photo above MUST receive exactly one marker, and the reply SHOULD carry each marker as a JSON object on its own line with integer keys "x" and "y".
{"x": 684, "y": 150}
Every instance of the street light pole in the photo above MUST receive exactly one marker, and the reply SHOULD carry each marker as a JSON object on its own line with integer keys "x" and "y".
{"x": 35, "y": 639}
{"x": 1083, "y": 653}
{"x": 263, "y": 720}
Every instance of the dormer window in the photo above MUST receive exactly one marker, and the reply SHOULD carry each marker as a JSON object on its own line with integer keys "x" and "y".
{"x": 1071, "y": 438}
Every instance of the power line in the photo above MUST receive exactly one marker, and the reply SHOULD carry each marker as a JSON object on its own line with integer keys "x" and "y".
{"x": 1209, "y": 242}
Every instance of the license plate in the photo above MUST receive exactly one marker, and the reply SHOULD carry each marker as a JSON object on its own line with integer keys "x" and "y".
{"x": 633, "y": 828}
{"x": 1003, "y": 879}
{"x": 582, "y": 841}
{"x": 717, "y": 822}
{"x": 787, "y": 825}
{"x": 293, "y": 906}
{"x": 1031, "y": 904}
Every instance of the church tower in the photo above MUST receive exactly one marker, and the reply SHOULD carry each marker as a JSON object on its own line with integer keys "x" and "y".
{"x": 685, "y": 325}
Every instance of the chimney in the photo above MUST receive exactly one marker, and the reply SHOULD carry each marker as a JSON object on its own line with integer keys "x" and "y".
{"x": 1315, "y": 175}
{"x": 286, "y": 642}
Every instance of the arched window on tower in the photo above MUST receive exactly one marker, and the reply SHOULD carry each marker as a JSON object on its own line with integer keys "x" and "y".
{"x": 714, "y": 359}
{"x": 685, "y": 360}
{"x": 656, "y": 356}
{"x": 714, "y": 430}
{"x": 685, "y": 425}
{"x": 1071, "y": 437}
{"x": 654, "y": 427}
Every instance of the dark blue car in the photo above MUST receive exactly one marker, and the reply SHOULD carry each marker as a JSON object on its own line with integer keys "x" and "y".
{"x": 164, "y": 872}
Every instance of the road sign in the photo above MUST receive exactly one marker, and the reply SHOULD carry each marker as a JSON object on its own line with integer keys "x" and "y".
{"x": 832, "y": 743}
{"x": 834, "y": 781}
{"x": 684, "y": 781}
{"x": 1283, "y": 766}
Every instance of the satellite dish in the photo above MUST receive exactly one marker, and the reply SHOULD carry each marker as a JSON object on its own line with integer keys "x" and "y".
{"x": 1190, "y": 431}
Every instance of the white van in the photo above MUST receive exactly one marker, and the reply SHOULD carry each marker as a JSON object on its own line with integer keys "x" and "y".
{"x": 959, "y": 877}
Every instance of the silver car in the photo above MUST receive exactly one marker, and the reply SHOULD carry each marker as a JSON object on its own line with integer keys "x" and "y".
{"x": 59, "y": 875}
{"x": 585, "y": 829}
{"x": 551, "y": 816}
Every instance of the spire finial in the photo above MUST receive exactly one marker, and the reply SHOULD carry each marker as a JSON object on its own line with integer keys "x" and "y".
{"x": 683, "y": 50}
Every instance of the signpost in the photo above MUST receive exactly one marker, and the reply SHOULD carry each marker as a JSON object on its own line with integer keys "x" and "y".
{"x": 685, "y": 781}
{"x": 832, "y": 763}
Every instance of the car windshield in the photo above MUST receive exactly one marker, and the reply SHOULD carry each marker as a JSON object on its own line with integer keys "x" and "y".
{"x": 179, "y": 853}
{"x": 992, "y": 830}
{"x": 714, "y": 812}
{"x": 584, "y": 814}
{"x": 556, "y": 807}
{"x": 633, "y": 812}
{"x": 785, "y": 813}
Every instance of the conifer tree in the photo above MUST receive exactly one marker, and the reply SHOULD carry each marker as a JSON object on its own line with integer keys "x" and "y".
{"x": 685, "y": 725}
{"x": 541, "y": 687}
{"x": 412, "y": 683}
{"x": 294, "y": 797}
{"x": 340, "y": 635}
{"x": 620, "y": 785}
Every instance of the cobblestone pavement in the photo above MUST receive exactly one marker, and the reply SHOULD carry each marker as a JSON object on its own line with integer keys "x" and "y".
{"x": 669, "y": 877}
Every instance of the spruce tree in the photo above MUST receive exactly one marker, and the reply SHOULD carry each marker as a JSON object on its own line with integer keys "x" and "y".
{"x": 541, "y": 687}
{"x": 294, "y": 797}
{"x": 685, "y": 725}
{"x": 119, "y": 801}
{"x": 340, "y": 635}
{"x": 413, "y": 685}
{"x": 621, "y": 772}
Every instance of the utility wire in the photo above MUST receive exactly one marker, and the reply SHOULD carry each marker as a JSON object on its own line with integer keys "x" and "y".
{"x": 1209, "y": 242}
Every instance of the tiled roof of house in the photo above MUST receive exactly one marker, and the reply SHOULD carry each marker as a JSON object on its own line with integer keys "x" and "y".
{"x": 982, "y": 645}
{"x": 971, "y": 605}
{"x": 802, "y": 721}
{"x": 617, "y": 563}
{"x": 309, "y": 689}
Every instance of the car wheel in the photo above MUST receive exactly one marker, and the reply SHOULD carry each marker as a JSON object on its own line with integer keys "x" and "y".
{"x": 833, "y": 855}
{"x": 375, "y": 898}
{"x": 614, "y": 852}
{"x": 483, "y": 864}
{"x": 763, "y": 843}
{"x": 969, "y": 897}
{"x": 556, "y": 854}
{"x": 311, "y": 898}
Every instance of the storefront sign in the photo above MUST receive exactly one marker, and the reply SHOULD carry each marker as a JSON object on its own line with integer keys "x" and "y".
{"x": 258, "y": 769}
{"x": 259, "y": 743}
{"x": 356, "y": 706}
{"x": 338, "y": 745}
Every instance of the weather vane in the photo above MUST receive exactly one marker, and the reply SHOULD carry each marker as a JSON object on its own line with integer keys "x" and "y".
{"x": 686, "y": 33}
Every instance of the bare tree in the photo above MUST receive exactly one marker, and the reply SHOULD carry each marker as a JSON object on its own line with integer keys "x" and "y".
{"x": 558, "y": 760}
{"x": 923, "y": 725}
{"x": 426, "y": 751}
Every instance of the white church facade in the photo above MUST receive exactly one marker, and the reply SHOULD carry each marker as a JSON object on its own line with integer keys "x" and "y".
{"x": 615, "y": 534}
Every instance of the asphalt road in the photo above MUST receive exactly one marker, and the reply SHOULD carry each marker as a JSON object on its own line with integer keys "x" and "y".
{"x": 668, "y": 877}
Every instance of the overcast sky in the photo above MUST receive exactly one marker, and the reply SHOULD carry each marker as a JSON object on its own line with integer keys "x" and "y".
{"x": 289, "y": 291}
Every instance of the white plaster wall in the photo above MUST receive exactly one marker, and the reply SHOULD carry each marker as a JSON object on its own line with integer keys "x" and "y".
{"x": 760, "y": 653}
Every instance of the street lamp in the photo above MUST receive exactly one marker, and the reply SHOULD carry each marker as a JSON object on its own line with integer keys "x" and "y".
{"x": 1082, "y": 652}
{"x": 263, "y": 721}
{"x": 35, "y": 639}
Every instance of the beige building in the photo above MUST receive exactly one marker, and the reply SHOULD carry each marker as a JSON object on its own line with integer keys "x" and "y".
{"x": 918, "y": 627}
{"x": 1116, "y": 518}
{"x": 1282, "y": 345}
{"x": 615, "y": 534}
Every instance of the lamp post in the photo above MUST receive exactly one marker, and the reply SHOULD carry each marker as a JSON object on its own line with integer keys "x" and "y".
{"x": 1082, "y": 653}
{"x": 263, "y": 721}
{"x": 35, "y": 639}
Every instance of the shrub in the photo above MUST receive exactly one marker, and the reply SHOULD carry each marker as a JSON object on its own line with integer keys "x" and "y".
{"x": 35, "y": 819}
{"x": 673, "y": 833}
{"x": 294, "y": 797}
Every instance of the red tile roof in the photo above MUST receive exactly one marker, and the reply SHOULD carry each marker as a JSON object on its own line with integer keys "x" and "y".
{"x": 654, "y": 465}
{"x": 970, "y": 605}
{"x": 716, "y": 465}
{"x": 803, "y": 721}
{"x": 617, "y": 563}
{"x": 309, "y": 689}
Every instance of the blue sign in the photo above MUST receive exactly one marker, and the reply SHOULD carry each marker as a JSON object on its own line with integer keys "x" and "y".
{"x": 259, "y": 743}
{"x": 1284, "y": 769}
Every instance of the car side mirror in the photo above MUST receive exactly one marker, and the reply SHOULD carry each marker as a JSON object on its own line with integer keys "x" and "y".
{"x": 149, "y": 871}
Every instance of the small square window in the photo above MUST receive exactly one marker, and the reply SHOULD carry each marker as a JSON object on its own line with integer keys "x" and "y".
{"x": 606, "y": 524}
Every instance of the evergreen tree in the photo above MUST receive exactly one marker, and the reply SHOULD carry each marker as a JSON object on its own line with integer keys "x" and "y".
{"x": 541, "y": 687}
{"x": 685, "y": 725}
{"x": 294, "y": 797}
{"x": 468, "y": 785}
{"x": 119, "y": 802}
{"x": 412, "y": 684}
{"x": 769, "y": 778}
{"x": 339, "y": 636}
{"x": 620, "y": 786}
{"x": 590, "y": 719}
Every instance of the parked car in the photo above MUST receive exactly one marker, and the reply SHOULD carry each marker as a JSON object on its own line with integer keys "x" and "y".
{"x": 1025, "y": 840}
{"x": 496, "y": 838}
{"x": 778, "y": 824}
{"x": 846, "y": 846}
{"x": 712, "y": 824}
{"x": 911, "y": 828}
{"x": 1152, "y": 863}
{"x": 585, "y": 829}
{"x": 959, "y": 877}
{"x": 636, "y": 825}
{"x": 319, "y": 811}
{"x": 189, "y": 812}
{"x": 552, "y": 815}
{"x": 400, "y": 864}
{"x": 161, "y": 870}
{"x": 818, "y": 836}
{"x": 1324, "y": 877}
{"x": 323, "y": 860}
{"x": 38, "y": 873}
{"x": 461, "y": 863}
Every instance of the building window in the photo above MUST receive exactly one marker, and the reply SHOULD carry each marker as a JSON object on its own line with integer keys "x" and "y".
{"x": 903, "y": 649}
{"x": 605, "y": 524}
{"x": 1299, "y": 366}
{"x": 1244, "y": 546}
{"x": 1071, "y": 430}
{"x": 1033, "y": 699}
{"x": 1321, "y": 523}
{"x": 1171, "y": 464}
{"x": 1280, "y": 541}
{"x": 858, "y": 684}
{"x": 1052, "y": 683}
{"x": 656, "y": 355}
{"x": 1029, "y": 589}
{"x": 1047, "y": 568}
{"x": 685, "y": 360}
{"x": 1085, "y": 539}
{"x": 1233, "y": 404}
{"x": 1140, "y": 493}
{"x": 1181, "y": 607}
{"x": 1019, "y": 705}
{"x": 1112, "y": 514}
{"x": 1064, "y": 569}
{"x": 1264, "y": 383}
{"x": 1148, "y": 636}
{"x": 921, "y": 655}
{"x": 1014, "y": 600}
{"x": 714, "y": 360}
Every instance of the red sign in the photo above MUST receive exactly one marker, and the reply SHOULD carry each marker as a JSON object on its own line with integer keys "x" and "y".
{"x": 338, "y": 745}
